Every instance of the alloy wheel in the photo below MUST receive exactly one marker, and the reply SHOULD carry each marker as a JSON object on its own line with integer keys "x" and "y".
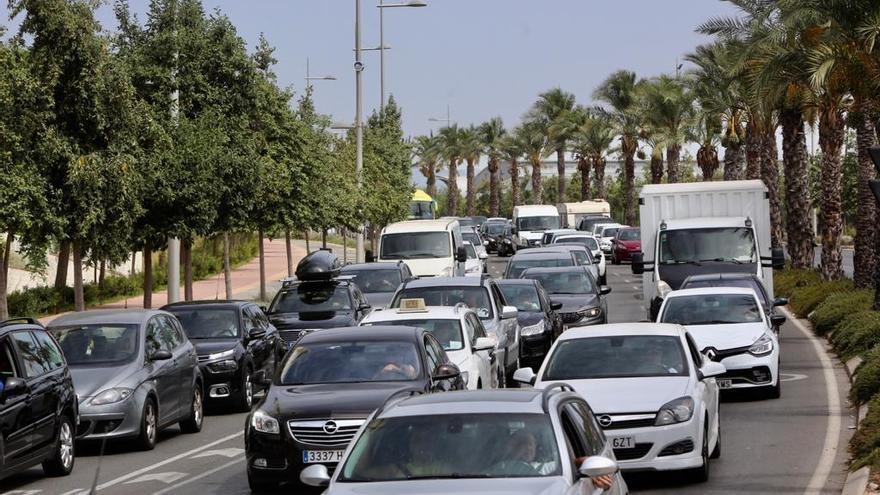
{"x": 65, "y": 444}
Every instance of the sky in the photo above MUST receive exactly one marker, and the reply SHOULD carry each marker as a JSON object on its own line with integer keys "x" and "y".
{"x": 482, "y": 58}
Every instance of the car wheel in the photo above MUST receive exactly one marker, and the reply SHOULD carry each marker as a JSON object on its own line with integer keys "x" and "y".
{"x": 63, "y": 456}
{"x": 716, "y": 452}
{"x": 479, "y": 384}
{"x": 245, "y": 398}
{"x": 149, "y": 426}
{"x": 502, "y": 372}
{"x": 701, "y": 474}
{"x": 193, "y": 421}
{"x": 603, "y": 280}
{"x": 260, "y": 486}
{"x": 775, "y": 392}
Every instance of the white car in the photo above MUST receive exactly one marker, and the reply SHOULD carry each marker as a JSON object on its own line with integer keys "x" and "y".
{"x": 459, "y": 331}
{"x": 475, "y": 266}
{"x": 651, "y": 390}
{"x": 472, "y": 235}
{"x": 592, "y": 245}
{"x": 730, "y": 327}
{"x": 604, "y": 233}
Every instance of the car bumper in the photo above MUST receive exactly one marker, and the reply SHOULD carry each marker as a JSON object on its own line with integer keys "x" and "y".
{"x": 283, "y": 456}
{"x": 120, "y": 420}
{"x": 535, "y": 346}
{"x": 221, "y": 386}
{"x": 655, "y": 446}
{"x": 584, "y": 322}
{"x": 746, "y": 371}
{"x": 623, "y": 254}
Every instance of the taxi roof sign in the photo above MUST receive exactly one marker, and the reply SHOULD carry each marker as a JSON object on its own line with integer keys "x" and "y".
{"x": 414, "y": 305}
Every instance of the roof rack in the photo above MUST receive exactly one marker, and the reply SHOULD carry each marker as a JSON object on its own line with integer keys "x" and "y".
{"x": 19, "y": 320}
{"x": 548, "y": 391}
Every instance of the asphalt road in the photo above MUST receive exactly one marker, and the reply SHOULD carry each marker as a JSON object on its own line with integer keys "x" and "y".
{"x": 794, "y": 445}
{"x": 847, "y": 260}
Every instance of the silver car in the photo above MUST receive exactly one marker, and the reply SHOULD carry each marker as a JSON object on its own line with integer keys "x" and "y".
{"x": 134, "y": 373}
{"x": 478, "y": 442}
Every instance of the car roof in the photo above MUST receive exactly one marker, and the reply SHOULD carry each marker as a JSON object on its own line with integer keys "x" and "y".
{"x": 377, "y": 265}
{"x": 439, "y": 225}
{"x": 374, "y": 333}
{"x": 511, "y": 401}
{"x": 554, "y": 269}
{"x": 535, "y": 254}
{"x": 222, "y": 303}
{"x": 621, "y": 329}
{"x": 517, "y": 281}
{"x": 431, "y": 312}
{"x": 721, "y": 276}
{"x": 22, "y": 323}
{"x": 130, "y": 316}
{"x": 577, "y": 233}
{"x": 445, "y": 282}
{"x": 711, "y": 291}
{"x": 559, "y": 248}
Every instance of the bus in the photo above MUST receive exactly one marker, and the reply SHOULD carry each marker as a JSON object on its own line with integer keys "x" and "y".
{"x": 422, "y": 206}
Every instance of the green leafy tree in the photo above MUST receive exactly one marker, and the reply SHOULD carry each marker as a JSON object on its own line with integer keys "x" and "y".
{"x": 553, "y": 109}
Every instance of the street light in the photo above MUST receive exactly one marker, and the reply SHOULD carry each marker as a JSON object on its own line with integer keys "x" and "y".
{"x": 448, "y": 119}
{"x": 382, "y": 6}
{"x": 309, "y": 77}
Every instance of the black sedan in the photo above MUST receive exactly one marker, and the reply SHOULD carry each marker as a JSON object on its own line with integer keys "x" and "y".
{"x": 539, "y": 322}
{"x": 581, "y": 297}
{"x": 378, "y": 281}
{"x": 329, "y": 383}
{"x": 493, "y": 232}
{"x": 236, "y": 345}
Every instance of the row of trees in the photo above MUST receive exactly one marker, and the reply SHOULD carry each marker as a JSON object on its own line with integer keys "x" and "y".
{"x": 114, "y": 142}
{"x": 776, "y": 67}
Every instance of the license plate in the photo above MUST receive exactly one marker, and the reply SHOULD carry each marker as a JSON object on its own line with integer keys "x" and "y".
{"x": 313, "y": 456}
{"x": 623, "y": 442}
{"x": 725, "y": 383}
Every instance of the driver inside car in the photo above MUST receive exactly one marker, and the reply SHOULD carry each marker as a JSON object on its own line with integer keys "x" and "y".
{"x": 398, "y": 365}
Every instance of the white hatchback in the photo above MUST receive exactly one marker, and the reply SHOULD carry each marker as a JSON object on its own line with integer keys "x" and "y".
{"x": 730, "y": 327}
{"x": 651, "y": 390}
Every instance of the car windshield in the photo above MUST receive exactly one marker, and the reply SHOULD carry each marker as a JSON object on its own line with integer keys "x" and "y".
{"x": 454, "y": 446}
{"x": 711, "y": 309}
{"x": 524, "y": 297}
{"x": 413, "y": 245}
{"x": 610, "y": 232}
{"x": 616, "y": 357}
{"x": 568, "y": 282}
{"x": 421, "y": 210}
{"x": 471, "y": 252}
{"x": 734, "y": 244}
{"x": 99, "y": 344}
{"x": 371, "y": 281}
{"x": 476, "y": 298}
{"x": 466, "y": 222}
{"x": 629, "y": 235}
{"x": 495, "y": 228}
{"x": 537, "y": 223}
{"x": 582, "y": 240}
{"x": 208, "y": 323}
{"x": 518, "y": 266}
{"x": 472, "y": 237}
{"x": 312, "y": 297}
{"x": 351, "y": 362}
{"x": 446, "y": 331}
{"x": 748, "y": 283}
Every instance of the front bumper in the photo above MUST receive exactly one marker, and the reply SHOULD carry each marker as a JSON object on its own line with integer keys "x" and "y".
{"x": 570, "y": 322}
{"x": 223, "y": 385}
{"x": 655, "y": 447}
{"x": 533, "y": 347}
{"x": 746, "y": 371}
{"x": 624, "y": 254}
{"x": 119, "y": 420}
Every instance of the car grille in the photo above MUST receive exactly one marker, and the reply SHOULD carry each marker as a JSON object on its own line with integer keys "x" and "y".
{"x": 570, "y": 317}
{"x": 621, "y": 421}
{"x": 324, "y": 433}
{"x": 756, "y": 375}
{"x": 203, "y": 358}
{"x": 637, "y": 452}
{"x": 292, "y": 336}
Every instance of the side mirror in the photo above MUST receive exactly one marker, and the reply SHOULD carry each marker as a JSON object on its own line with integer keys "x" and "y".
{"x": 483, "y": 344}
{"x": 525, "y": 375}
{"x": 508, "y": 312}
{"x": 780, "y": 301}
{"x": 13, "y": 386}
{"x": 555, "y": 306}
{"x": 777, "y": 320}
{"x": 461, "y": 254}
{"x": 160, "y": 355}
{"x": 777, "y": 258}
{"x": 368, "y": 256}
{"x": 364, "y": 308}
{"x": 638, "y": 263}
{"x": 256, "y": 333}
{"x": 596, "y": 466}
{"x": 315, "y": 475}
{"x": 446, "y": 372}
{"x": 597, "y": 258}
{"x": 514, "y": 231}
{"x": 483, "y": 256}
{"x": 711, "y": 369}
{"x": 604, "y": 290}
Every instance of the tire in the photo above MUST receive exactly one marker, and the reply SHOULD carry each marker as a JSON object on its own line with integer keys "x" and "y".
{"x": 149, "y": 425}
{"x": 701, "y": 474}
{"x": 244, "y": 400}
{"x": 260, "y": 486}
{"x": 502, "y": 371}
{"x": 776, "y": 391}
{"x": 192, "y": 423}
{"x": 716, "y": 452}
{"x": 64, "y": 454}
{"x": 603, "y": 280}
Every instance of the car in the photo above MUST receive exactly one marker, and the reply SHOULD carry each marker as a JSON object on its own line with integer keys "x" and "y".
{"x": 580, "y": 254}
{"x": 134, "y": 372}
{"x": 476, "y": 261}
{"x": 38, "y": 406}
{"x": 236, "y": 346}
{"x": 742, "y": 280}
{"x": 730, "y": 327}
{"x": 318, "y": 298}
{"x": 328, "y": 385}
{"x": 628, "y": 240}
{"x": 583, "y": 301}
{"x": 653, "y": 393}
{"x": 486, "y": 299}
{"x": 480, "y": 442}
{"x": 586, "y": 224}
{"x": 458, "y": 330}
{"x": 605, "y": 233}
{"x": 472, "y": 235}
{"x": 539, "y": 322}
{"x": 507, "y": 242}
{"x": 378, "y": 281}
{"x": 493, "y": 231}
{"x": 529, "y": 259}
{"x": 549, "y": 235}
{"x": 589, "y": 242}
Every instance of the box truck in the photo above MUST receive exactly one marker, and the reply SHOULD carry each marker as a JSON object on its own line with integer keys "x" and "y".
{"x": 571, "y": 213}
{"x": 702, "y": 228}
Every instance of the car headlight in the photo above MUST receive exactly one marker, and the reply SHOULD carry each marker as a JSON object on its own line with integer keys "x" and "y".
{"x": 532, "y": 329}
{"x": 762, "y": 346}
{"x": 223, "y": 366}
{"x": 662, "y": 289}
{"x": 264, "y": 423}
{"x": 111, "y": 396}
{"x": 221, "y": 355}
{"x": 590, "y": 313}
{"x": 676, "y": 411}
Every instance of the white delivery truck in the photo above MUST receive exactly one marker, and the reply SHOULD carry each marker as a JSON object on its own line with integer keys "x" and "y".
{"x": 703, "y": 228}
{"x": 430, "y": 248}
{"x": 571, "y": 213}
{"x": 530, "y": 222}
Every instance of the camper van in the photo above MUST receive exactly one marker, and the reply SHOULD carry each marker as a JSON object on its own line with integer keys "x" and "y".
{"x": 571, "y": 213}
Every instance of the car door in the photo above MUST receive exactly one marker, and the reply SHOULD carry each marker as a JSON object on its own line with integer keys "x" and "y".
{"x": 549, "y": 313}
{"x": 510, "y": 325}
{"x": 706, "y": 389}
{"x": 586, "y": 440}
{"x": 435, "y": 349}
{"x": 259, "y": 348}
{"x": 185, "y": 359}
{"x": 164, "y": 373}
{"x": 53, "y": 361}
{"x": 16, "y": 420}
{"x": 484, "y": 359}
{"x": 40, "y": 404}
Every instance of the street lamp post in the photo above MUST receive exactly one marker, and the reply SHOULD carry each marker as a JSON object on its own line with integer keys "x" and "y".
{"x": 382, "y": 6}
{"x": 448, "y": 118}
{"x": 309, "y": 77}
{"x": 358, "y": 127}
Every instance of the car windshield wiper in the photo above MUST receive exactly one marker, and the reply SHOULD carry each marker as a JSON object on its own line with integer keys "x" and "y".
{"x": 450, "y": 476}
{"x": 726, "y": 260}
{"x": 420, "y": 255}
{"x": 682, "y": 262}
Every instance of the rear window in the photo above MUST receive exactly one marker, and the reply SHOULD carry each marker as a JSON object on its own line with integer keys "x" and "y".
{"x": 747, "y": 283}
{"x": 476, "y": 298}
{"x": 517, "y": 267}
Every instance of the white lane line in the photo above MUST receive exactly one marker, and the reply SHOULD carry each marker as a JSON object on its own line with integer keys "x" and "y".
{"x": 196, "y": 478}
{"x": 791, "y": 377}
{"x": 183, "y": 455}
{"x": 229, "y": 453}
{"x": 636, "y": 287}
{"x": 825, "y": 465}
{"x": 167, "y": 478}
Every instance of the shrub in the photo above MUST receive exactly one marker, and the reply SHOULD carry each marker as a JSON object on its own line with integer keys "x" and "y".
{"x": 867, "y": 380}
{"x": 785, "y": 281}
{"x": 857, "y": 333}
{"x": 865, "y": 443}
{"x": 804, "y": 299}
{"x": 838, "y": 306}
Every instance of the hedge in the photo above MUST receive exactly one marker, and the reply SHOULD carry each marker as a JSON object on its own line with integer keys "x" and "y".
{"x": 785, "y": 281}
{"x": 865, "y": 443}
{"x": 856, "y": 334}
{"x": 804, "y": 299}
{"x": 836, "y": 307}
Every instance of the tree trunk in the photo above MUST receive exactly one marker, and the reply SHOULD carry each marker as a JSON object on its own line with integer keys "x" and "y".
{"x": 514, "y": 182}
{"x": 672, "y": 156}
{"x": 186, "y": 250}
{"x": 63, "y": 262}
{"x": 308, "y": 249}
{"x": 707, "y": 160}
{"x": 770, "y": 175}
{"x": 537, "y": 192}
{"x": 732, "y": 159}
{"x": 629, "y": 148}
{"x": 102, "y": 272}
{"x": 79, "y": 303}
{"x": 584, "y": 167}
{"x": 599, "y": 176}
{"x": 754, "y": 151}
{"x": 324, "y": 237}
{"x": 864, "y": 257}
{"x": 560, "y": 171}
{"x": 262, "y": 265}
{"x": 4, "y": 274}
{"x": 289, "y": 249}
{"x": 148, "y": 274}
{"x": 133, "y": 262}
{"x": 494, "y": 200}
{"x": 831, "y": 133}
{"x": 227, "y": 269}
{"x": 452, "y": 189}
{"x": 798, "y": 206}
{"x": 656, "y": 166}
{"x": 471, "y": 192}
{"x": 431, "y": 182}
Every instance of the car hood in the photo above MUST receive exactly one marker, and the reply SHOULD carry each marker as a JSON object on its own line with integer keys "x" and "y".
{"x": 726, "y": 336}
{"x": 331, "y": 399}
{"x": 213, "y": 346}
{"x": 499, "y": 486}
{"x": 630, "y": 244}
{"x": 532, "y": 235}
{"x": 630, "y": 395}
{"x": 379, "y": 299}
{"x": 91, "y": 380}
{"x": 575, "y": 302}
{"x": 460, "y": 358}
{"x": 313, "y": 319}
{"x": 529, "y": 318}
{"x": 431, "y": 267}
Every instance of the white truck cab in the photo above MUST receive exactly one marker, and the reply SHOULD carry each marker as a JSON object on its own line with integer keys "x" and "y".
{"x": 430, "y": 248}
{"x": 530, "y": 222}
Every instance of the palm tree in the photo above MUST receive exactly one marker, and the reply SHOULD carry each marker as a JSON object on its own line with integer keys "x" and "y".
{"x": 471, "y": 148}
{"x": 534, "y": 142}
{"x": 450, "y": 139}
{"x": 427, "y": 149}
{"x": 552, "y": 109}
{"x": 706, "y": 132}
{"x": 512, "y": 149}
{"x": 618, "y": 91}
{"x": 580, "y": 147}
{"x": 594, "y": 138}
{"x": 492, "y": 134}
{"x": 668, "y": 108}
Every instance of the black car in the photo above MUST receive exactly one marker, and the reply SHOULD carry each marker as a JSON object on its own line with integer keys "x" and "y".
{"x": 747, "y": 280}
{"x": 328, "y": 385}
{"x": 378, "y": 281}
{"x": 493, "y": 231}
{"x": 539, "y": 322}
{"x": 581, "y": 297}
{"x": 38, "y": 407}
{"x": 506, "y": 242}
{"x": 236, "y": 345}
{"x": 540, "y": 259}
{"x": 319, "y": 298}
{"x": 587, "y": 223}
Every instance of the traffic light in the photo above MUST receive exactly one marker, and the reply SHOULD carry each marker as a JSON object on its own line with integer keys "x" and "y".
{"x": 874, "y": 151}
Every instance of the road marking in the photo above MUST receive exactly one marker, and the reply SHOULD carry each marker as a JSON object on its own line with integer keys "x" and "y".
{"x": 167, "y": 478}
{"x": 627, "y": 280}
{"x": 176, "y": 458}
{"x": 22, "y": 492}
{"x": 196, "y": 478}
{"x": 78, "y": 491}
{"x": 825, "y": 465}
{"x": 230, "y": 453}
{"x": 636, "y": 287}
{"x": 791, "y": 377}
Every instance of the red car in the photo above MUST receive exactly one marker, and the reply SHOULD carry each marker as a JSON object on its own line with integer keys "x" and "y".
{"x": 628, "y": 240}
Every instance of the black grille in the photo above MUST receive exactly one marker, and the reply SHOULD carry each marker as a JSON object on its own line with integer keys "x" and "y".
{"x": 678, "y": 448}
{"x": 569, "y": 317}
{"x": 756, "y": 375}
{"x": 637, "y": 452}
{"x": 291, "y": 336}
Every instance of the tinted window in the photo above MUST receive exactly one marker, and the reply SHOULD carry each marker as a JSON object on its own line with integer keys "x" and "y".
{"x": 155, "y": 337}
{"x": 346, "y": 362}
{"x": 472, "y": 237}
{"x": 616, "y": 357}
{"x": 8, "y": 364}
{"x": 312, "y": 298}
{"x": 208, "y": 323}
{"x": 629, "y": 235}
{"x": 375, "y": 280}
{"x": 49, "y": 350}
{"x": 170, "y": 335}
{"x": 524, "y": 297}
{"x": 415, "y": 245}
{"x": 35, "y": 363}
{"x": 718, "y": 244}
{"x": 748, "y": 283}
{"x": 583, "y": 422}
{"x": 494, "y": 228}
{"x": 447, "y": 332}
{"x": 479, "y": 329}
{"x": 434, "y": 358}
{"x": 711, "y": 309}
{"x": 476, "y": 298}
{"x": 537, "y": 223}
{"x": 471, "y": 252}
{"x": 573, "y": 282}
{"x": 518, "y": 266}
{"x": 581, "y": 257}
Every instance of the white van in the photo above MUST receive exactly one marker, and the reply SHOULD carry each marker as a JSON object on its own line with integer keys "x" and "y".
{"x": 430, "y": 248}
{"x": 530, "y": 222}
